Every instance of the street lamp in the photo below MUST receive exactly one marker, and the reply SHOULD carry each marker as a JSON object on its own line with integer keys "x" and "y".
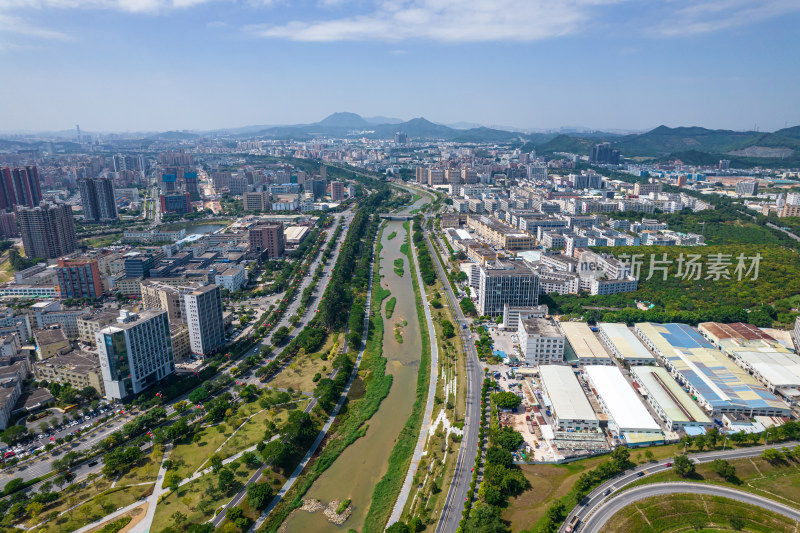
{"x": 724, "y": 443}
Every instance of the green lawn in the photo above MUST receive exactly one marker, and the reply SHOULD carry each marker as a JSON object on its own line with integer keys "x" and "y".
{"x": 252, "y": 432}
{"x": 146, "y": 471}
{"x": 198, "y": 499}
{"x": 681, "y": 512}
{"x": 188, "y": 457}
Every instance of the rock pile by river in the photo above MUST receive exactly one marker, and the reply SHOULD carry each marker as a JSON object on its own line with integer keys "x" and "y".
{"x": 333, "y": 517}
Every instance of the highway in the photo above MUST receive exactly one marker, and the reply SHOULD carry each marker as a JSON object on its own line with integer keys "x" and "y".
{"x": 610, "y": 507}
{"x": 462, "y": 476}
{"x": 596, "y": 499}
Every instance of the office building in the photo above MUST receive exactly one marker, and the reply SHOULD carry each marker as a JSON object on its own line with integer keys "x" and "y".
{"x": 316, "y": 186}
{"x": 400, "y": 138}
{"x": 98, "y": 200}
{"x": 47, "y": 230}
{"x": 540, "y": 341}
{"x": 79, "y": 279}
{"x": 257, "y": 201}
{"x": 643, "y": 189}
{"x": 203, "y": 315}
{"x": 89, "y": 324}
{"x": 502, "y": 284}
{"x": 603, "y": 154}
{"x": 135, "y": 353}
{"x": 178, "y": 204}
{"x": 747, "y": 188}
{"x": 19, "y": 186}
{"x": 337, "y": 191}
{"x": 267, "y": 238}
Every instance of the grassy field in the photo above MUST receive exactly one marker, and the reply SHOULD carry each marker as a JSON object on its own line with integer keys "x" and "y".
{"x": 682, "y": 512}
{"x": 188, "y": 457}
{"x": 298, "y": 375}
{"x": 550, "y": 482}
{"x": 100, "y": 240}
{"x": 390, "y": 307}
{"x": 147, "y": 471}
{"x": 252, "y": 432}
{"x": 6, "y": 272}
{"x": 198, "y": 499}
{"x": 778, "y": 481}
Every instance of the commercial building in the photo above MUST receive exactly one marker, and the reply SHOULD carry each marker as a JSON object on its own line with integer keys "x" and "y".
{"x": 617, "y": 398}
{"x": 48, "y": 230}
{"x": 540, "y": 341}
{"x": 668, "y": 399}
{"x": 257, "y": 201}
{"x": 19, "y": 187}
{"x": 190, "y": 185}
{"x": 231, "y": 279}
{"x": 294, "y": 235}
{"x": 135, "y": 353}
{"x": 502, "y": 284}
{"x": 718, "y": 384}
{"x": 603, "y": 153}
{"x": 76, "y": 368}
{"x": 583, "y": 347}
{"x": 98, "y": 200}
{"x": 79, "y": 279}
{"x": 747, "y": 188}
{"x": 643, "y": 189}
{"x": 778, "y": 368}
{"x": 337, "y": 191}
{"x": 624, "y": 345}
{"x": 203, "y": 315}
{"x": 179, "y": 204}
{"x": 499, "y": 234}
{"x": 181, "y": 345}
{"x": 569, "y": 407}
{"x": 267, "y": 238}
{"x": 12, "y": 374}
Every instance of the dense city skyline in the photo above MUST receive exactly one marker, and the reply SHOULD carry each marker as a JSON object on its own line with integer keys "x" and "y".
{"x": 149, "y": 65}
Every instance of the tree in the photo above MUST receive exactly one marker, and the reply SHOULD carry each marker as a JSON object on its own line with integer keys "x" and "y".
{"x": 13, "y": 434}
{"x": 736, "y": 523}
{"x": 648, "y": 455}
{"x": 724, "y": 469}
{"x": 772, "y": 455}
{"x": 697, "y": 521}
{"x": 683, "y": 466}
{"x": 484, "y": 519}
{"x": 259, "y": 495}
{"x": 509, "y": 439}
{"x": 498, "y": 456}
{"x": 507, "y": 400}
{"x": 179, "y": 518}
{"x": 700, "y": 442}
{"x": 398, "y": 527}
{"x": 226, "y": 479}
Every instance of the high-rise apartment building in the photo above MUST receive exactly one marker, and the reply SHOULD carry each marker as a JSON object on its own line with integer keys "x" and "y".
{"x": 435, "y": 176}
{"x": 469, "y": 175}
{"x": 511, "y": 284}
{"x": 422, "y": 175}
{"x": 19, "y": 186}
{"x": 190, "y": 184}
{"x": 176, "y": 203}
{"x": 203, "y": 314}
{"x": 8, "y": 225}
{"x": 135, "y": 353}
{"x": 98, "y": 200}
{"x": 643, "y": 189}
{"x": 603, "y": 153}
{"x": 267, "y": 237}
{"x": 316, "y": 186}
{"x": 47, "y": 230}
{"x": 79, "y": 279}
{"x": 337, "y": 191}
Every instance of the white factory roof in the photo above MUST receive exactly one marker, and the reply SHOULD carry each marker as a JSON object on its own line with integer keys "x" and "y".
{"x": 566, "y": 394}
{"x": 626, "y": 343}
{"x": 777, "y": 368}
{"x": 620, "y": 400}
{"x": 295, "y": 233}
{"x": 666, "y": 392}
{"x": 583, "y": 341}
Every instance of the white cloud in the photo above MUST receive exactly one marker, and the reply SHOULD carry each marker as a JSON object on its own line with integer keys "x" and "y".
{"x": 716, "y": 15}
{"x": 130, "y": 6}
{"x": 18, "y": 26}
{"x": 446, "y": 21}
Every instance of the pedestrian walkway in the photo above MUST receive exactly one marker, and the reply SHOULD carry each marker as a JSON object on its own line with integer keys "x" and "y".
{"x": 152, "y": 500}
{"x": 405, "y": 491}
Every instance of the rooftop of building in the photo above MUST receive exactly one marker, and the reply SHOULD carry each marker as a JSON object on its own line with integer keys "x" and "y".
{"x": 76, "y": 361}
{"x": 541, "y": 326}
{"x": 566, "y": 393}
{"x": 737, "y": 331}
{"x": 45, "y": 337}
{"x": 619, "y": 398}
{"x": 583, "y": 341}
{"x": 626, "y": 343}
{"x": 666, "y": 392}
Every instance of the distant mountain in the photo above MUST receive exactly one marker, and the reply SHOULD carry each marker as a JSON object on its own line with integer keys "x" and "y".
{"x": 383, "y": 120}
{"x": 464, "y": 125}
{"x": 343, "y": 120}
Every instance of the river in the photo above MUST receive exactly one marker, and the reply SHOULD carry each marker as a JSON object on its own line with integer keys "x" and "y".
{"x": 356, "y": 472}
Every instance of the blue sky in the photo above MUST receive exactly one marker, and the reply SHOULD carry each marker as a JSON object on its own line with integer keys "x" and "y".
{"x": 131, "y": 65}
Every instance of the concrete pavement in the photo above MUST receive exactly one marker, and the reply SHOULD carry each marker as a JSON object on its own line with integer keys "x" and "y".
{"x": 596, "y": 522}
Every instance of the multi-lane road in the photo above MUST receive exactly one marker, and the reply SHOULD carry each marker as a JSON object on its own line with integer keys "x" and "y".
{"x": 465, "y": 462}
{"x": 600, "y": 497}
{"x": 597, "y": 521}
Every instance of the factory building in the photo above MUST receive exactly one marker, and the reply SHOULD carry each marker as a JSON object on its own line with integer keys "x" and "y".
{"x": 568, "y": 403}
{"x": 624, "y": 345}
{"x": 668, "y": 399}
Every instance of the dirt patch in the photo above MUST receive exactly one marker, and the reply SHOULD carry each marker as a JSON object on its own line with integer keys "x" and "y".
{"x": 137, "y": 515}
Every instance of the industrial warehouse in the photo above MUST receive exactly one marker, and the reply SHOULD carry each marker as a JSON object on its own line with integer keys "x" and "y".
{"x": 644, "y": 384}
